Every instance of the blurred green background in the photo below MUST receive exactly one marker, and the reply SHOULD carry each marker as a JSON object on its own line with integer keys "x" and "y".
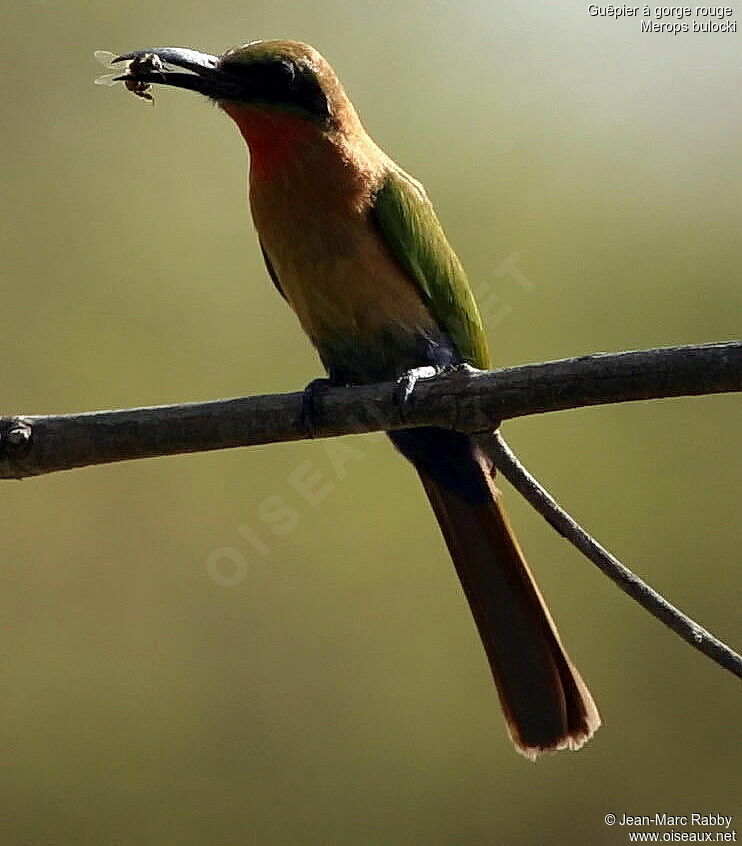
{"x": 179, "y": 668}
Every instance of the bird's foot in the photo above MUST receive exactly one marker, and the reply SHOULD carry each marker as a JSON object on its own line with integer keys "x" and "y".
{"x": 407, "y": 381}
{"x": 406, "y": 385}
{"x": 309, "y": 406}
{"x": 462, "y": 367}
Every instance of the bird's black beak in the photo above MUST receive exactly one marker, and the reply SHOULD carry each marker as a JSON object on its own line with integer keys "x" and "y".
{"x": 204, "y": 73}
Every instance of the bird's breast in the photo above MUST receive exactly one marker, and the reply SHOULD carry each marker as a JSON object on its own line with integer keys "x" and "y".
{"x": 363, "y": 313}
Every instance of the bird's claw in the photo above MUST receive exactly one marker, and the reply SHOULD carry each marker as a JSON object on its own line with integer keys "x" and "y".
{"x": 407, "y": 381}
{"x": 461, "y": 367}
{"x": 406, "y": 385}
{"x": 308, "y": 404}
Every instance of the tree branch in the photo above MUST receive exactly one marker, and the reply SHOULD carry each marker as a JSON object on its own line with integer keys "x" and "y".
{"x": 694, "y": 634}
{"x": 470, "y": 402}
{"x": 474, "y": 402}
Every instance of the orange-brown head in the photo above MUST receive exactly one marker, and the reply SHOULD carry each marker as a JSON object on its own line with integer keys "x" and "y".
{"x": 279, "y": 93}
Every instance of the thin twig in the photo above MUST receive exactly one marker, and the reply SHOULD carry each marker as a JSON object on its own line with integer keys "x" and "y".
{"x": 694, "y": 634}
{"x": 472, "y": 402}
{"x": 469, "y": 402}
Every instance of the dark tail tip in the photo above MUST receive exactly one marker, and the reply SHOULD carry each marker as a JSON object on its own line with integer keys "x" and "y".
{"x": 581, "y": 720}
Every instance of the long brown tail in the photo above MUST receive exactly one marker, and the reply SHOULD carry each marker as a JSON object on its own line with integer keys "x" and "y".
{"x": 547, "y": 706}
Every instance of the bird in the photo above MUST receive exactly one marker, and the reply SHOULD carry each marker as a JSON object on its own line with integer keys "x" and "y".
{"x": 354, "y": 246}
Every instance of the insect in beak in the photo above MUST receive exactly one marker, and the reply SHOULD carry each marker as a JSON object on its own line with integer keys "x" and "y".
{"x": 147, "y": 63}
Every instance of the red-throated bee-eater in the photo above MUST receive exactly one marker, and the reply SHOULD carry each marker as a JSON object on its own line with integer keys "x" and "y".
{"x": 353, "y": 245}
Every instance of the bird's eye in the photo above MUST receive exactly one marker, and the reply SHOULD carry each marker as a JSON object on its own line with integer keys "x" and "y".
{"x": 280, "y": 82}
{"x": 287, "y": 71}
{"x": 274, "y": 78}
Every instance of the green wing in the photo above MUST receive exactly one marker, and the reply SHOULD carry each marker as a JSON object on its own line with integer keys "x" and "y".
{"x": 408, "y": 223}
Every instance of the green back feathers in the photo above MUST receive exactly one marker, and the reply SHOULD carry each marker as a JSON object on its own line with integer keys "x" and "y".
{"x": 407, "y": 220}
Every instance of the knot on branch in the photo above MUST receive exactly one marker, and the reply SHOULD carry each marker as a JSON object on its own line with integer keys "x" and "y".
{"x": 15, "y": 443}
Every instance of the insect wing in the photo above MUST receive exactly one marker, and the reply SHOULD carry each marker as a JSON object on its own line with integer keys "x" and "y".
{"x": 106, "y": 57}
{"x": 108, "y": 79}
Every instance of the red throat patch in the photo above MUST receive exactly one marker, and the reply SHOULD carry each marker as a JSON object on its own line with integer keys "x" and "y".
{"x": 274, "y": 138}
